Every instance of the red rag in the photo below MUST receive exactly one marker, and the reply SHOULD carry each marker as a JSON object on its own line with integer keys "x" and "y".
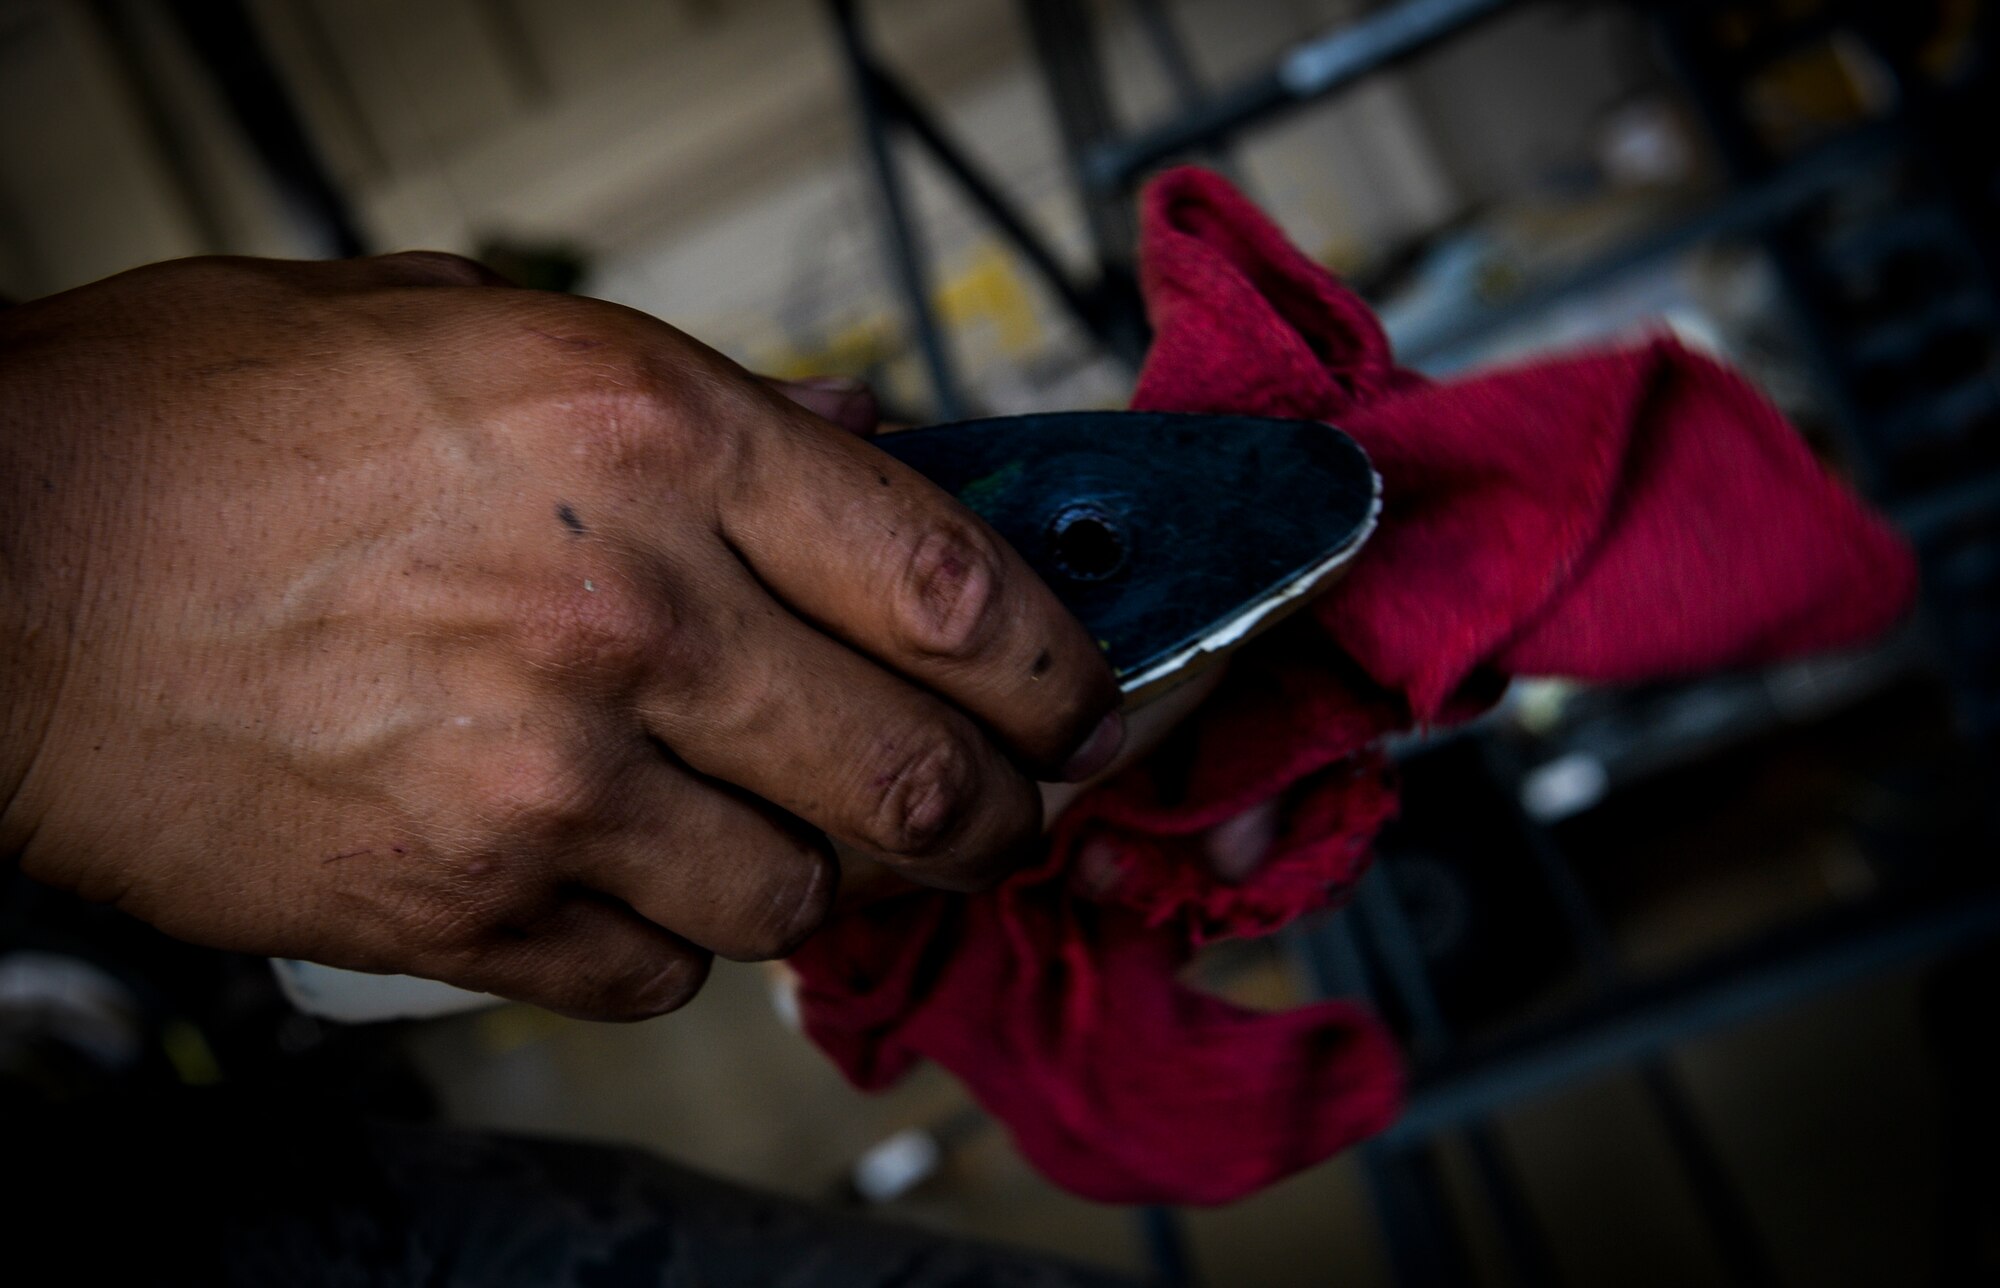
{"x": 1611, "y": 516}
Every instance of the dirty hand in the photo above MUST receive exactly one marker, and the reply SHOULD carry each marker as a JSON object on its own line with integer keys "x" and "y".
{"x": 376, "y": 614}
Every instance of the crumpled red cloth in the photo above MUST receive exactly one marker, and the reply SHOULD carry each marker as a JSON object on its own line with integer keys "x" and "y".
{"x": 1612, "y": 516}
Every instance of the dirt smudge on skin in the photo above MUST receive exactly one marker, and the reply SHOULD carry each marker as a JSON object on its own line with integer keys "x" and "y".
{"x": 363, "y": 851}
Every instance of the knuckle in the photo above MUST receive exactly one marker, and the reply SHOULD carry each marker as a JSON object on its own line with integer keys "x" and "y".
{"x": 458, "y": 924}
{"x": 534, "y": 790}
{"x": 215, "y": 270}
{"x": 516, "y": 958}
{"x": 923, "y": 796}
{"x": 599, "y": 626}
{"x": 617, "y": 424}
{"x": 656, "y": 988}
{"x": 784, "y": 907}
{"x": 949, "y": 594}
{"x": 434, "y": 268}
{"x": 243, "y": 281}
{"x": 637, "y": 410}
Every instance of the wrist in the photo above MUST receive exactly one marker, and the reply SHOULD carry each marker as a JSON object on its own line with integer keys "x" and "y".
{"x": 42, "y": 560}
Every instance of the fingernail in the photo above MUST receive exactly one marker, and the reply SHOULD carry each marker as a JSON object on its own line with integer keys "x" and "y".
{"x": 1097, "y": 751}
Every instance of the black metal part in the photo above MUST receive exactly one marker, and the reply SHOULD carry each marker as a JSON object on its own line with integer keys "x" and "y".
{"x": 1087, "y": 542}
{"x": 226, "y": 40}
{"x": 1155, "y": 529}
{"x": 1747, "y": 210}
{"x": 1642, "y": 1018}
{"x": 1457, "y": 1089}
{"x": 1895, "y": 306}
{"x": 1424, "y": 1242}
{"x": 1166, "y": 1245}
{"x": 126, "y": 41}
{"x": 1066, "y": 47}
{"x": 1745, "y": 1260}
{"x": 1309, "y": 71}
{"x": 900, "y": 239}
{"x": 1105, "y": 301}
{"x": 1168, "y": 50}
{"x": 1395, "y": 950}
{"x": 1105, "y": 319}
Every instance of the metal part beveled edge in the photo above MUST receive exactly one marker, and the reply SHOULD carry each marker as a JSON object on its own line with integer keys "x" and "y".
{"x": 1267, "y": 611}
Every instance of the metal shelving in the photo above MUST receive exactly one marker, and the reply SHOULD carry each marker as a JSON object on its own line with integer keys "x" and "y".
{"x": 1872, "y": 363}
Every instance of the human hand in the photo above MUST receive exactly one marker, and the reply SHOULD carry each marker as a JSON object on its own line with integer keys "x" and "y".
{"x": 1232, "y": 850}
{"x": 373, "y": 614}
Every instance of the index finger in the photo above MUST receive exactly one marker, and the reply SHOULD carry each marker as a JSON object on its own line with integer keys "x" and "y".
{"x": 875, "y": 554}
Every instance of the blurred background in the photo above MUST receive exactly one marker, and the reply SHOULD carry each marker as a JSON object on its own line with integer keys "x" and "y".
{"x": 1699, "y": 981}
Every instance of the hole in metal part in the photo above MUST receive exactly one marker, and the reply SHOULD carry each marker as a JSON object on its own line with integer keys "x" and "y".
{"x": 1087, "y": 543}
